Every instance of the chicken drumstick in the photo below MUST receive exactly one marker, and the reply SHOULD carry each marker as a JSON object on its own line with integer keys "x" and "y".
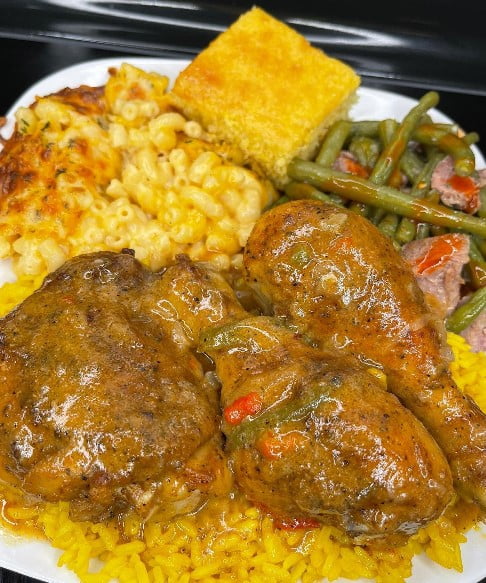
{"x": 341, "y": 282}
{"x": 312, "y": 436}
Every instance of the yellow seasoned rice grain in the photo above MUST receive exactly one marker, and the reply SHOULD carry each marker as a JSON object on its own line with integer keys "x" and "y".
{"x": 206, "y": 570}
{"x": 156, "y": 575}
{"x": 139, "y": 569}
{"x": 135, "y": 546}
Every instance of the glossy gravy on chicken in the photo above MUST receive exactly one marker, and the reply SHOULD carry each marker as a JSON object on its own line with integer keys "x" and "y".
{"x": 105, "y": 402}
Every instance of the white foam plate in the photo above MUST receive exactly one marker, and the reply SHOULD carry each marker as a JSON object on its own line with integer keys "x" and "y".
{"x": 38, "y": 559}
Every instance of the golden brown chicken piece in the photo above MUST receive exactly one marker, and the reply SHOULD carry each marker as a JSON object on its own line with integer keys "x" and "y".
{"x": 97, "y": 405}
{"x": 341, "y": 283}
{"x": 311, "y": 436}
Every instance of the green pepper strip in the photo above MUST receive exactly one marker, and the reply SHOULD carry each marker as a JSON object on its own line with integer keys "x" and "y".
{"x": 294, "y": 410}
{"x": 390, "y": 199}
{"x": 278, "y": 202}
{"x": 461, "y": 318}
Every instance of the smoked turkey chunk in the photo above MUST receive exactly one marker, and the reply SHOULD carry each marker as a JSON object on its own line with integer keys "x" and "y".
{"x": 98, "y": 404}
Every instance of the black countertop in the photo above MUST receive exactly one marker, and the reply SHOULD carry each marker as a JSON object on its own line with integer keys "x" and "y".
{"x": 416, "y": 55}
{"x": 409, "y": 53}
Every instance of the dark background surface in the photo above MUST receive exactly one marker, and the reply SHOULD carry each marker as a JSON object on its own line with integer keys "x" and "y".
{"x": 409, "y": 48}
{"x": 428, "y": 45}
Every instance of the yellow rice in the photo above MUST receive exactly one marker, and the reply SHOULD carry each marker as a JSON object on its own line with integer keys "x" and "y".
{"x": 230, "y": 540}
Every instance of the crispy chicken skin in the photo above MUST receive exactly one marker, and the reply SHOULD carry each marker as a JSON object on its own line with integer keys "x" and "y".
{"x": 98, "y": 405}
{"x": 311, "y": 435}
{"x": 341, "y": 283}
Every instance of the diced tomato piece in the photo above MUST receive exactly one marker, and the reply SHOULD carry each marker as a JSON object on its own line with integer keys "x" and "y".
{"x": 275, "y": 445}
{"x": 355, "y": 168}
{"x": 468, "y": 187}
{"x": 439, "y": 253}
{"x": 250, "y": 404}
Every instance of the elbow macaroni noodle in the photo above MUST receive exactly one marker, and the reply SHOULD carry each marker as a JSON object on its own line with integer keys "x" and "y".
{"x": 140, "y": 176}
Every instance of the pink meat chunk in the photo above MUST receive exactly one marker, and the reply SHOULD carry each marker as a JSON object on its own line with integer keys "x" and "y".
{"x": 461, "y": 192}
{"x": 437, "y": 263}
{"x": 348, "y": 163}
{"x": 475, "y": 334}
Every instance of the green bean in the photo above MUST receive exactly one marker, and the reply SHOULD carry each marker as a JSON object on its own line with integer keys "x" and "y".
{"x": 464, "y": 315}
{"x": 432, "y": 196}
{"x": 360, "y": 209}
{"x": 471, "y": 138}
{"x": 364, "y": 128}
{"x": 385, "y": 222}
{"x": 365, "y": 149}
{"x": 367, "y": 152}
{"x": 395, "y": 138}
{"x": 480, "y": 244}
{"x": 392, "y": 152}
{"x": 474, "y": 251}
{"x": 386, "y": 133}
{"x": 414, "y": 168}
{"x": 299, "y": 190}
{"x": 464, "y": 161}
{"x": 423, "y": 231}
{"x": 406, "y": 231}
{"x": 376, "y": 215}
{"x": 482, "y": 199}
{"x": 421, "y": 185}
{"x": 388, "y": 225}
{"x": 369, "y": 128}
{"x": 436, "y": 230}
{"x": 425, "y": 118}
{"x": 386, "y": 130}
{"x": 333, "y": 143}
{"x": 411, "y": 165}
{"x": 387, "y": 198}
{"x": 477, "y": 273}
{"x": 450, "y": 128}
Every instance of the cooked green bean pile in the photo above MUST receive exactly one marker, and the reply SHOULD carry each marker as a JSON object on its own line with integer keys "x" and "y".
{"x": 391, "y": 165}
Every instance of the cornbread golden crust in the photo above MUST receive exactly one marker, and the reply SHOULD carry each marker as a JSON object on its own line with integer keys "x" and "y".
{"x": 262, "y": 86}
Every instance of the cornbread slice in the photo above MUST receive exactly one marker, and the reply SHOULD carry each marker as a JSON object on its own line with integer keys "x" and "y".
{"x": 263, "y": 87}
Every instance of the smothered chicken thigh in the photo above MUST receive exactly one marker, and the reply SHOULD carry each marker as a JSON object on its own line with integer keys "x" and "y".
{"x": 98, "y": 404}
{"x": 312, "y": 436}
{"x": 335, "y": 277}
